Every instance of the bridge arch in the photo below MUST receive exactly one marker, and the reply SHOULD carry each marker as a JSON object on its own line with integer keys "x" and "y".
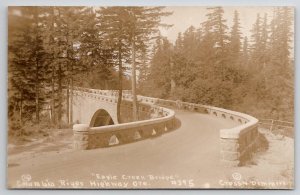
{"x": 101, "y": 118}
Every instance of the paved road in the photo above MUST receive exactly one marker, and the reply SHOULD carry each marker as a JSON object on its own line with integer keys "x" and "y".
{"x": 186, "y": 157}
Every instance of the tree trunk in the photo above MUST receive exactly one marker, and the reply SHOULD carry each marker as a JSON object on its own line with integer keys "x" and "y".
{"x": 21, "y": 109}
{"x": 59, "y": 116}
{"x": 68, "y": 101}
{"x": 120, "y": 84}
{"x": 37, "y": 96}
{"x": 53, "y": 95}
{"x": 71, "y": 96}
{"x": 173, "y": 84}
{"x": 133, "y": 84}
{"x": 52, "y": 101}
{"x": 70, "y": 73}
{"x": 68, "y": 77}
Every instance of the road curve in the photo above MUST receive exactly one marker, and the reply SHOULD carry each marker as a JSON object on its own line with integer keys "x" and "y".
{"x": 186, "y": 157}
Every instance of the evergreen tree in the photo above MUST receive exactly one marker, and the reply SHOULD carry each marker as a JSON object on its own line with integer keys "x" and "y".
{"x": 114, "y": 25}
{"x": 279, "y": 72}
{"x": 217, "y": 26}
{"x": 235, "y": 41}
{"x": 159, "y": 77}
{"x": 190, "y": 43}
{"x": 143, "y": 23}
{"x": 256, "y": 44}
{"x": 245, "y": 52}
{"x": 28, "y": 62}
{"x": 179, "y": 43}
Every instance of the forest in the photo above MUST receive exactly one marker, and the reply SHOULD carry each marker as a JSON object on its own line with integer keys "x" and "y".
{"x": 53, "y": 49}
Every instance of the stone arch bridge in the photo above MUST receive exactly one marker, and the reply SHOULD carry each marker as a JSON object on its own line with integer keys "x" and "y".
{"x": 96, "y": 126}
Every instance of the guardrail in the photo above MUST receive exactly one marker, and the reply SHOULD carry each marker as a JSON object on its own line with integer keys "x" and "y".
{"x": 278, "y": 126}
{"x": 236, "y": 144}
{"x": 273, "y": 124}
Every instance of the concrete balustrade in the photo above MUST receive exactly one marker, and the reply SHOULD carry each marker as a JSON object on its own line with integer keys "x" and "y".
{"x": 236, "y": 144}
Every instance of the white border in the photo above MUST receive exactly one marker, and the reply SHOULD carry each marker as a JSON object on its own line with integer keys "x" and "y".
{"x": 3, "y": 87}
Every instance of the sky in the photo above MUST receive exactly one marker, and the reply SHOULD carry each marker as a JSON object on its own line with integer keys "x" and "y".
{"x": 184, "y": 17}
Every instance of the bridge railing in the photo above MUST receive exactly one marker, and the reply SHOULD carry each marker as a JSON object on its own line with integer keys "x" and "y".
{"x": 86, "y": 137}
{"x": 102, "y": 92}
{"x": 237, "y": 144}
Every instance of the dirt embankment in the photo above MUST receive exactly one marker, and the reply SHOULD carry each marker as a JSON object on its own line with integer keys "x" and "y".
{"x": 56, "y": 141}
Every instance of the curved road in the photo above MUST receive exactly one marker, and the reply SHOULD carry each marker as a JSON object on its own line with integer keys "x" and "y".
{"x": 185, "y": 157}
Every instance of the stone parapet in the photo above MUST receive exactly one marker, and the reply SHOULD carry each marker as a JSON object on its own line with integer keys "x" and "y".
{"x": 237, "y": 144}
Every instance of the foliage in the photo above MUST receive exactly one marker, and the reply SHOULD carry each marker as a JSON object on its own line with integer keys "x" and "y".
{"x": 51, "y": 49}
{"x": 210, "y": 65}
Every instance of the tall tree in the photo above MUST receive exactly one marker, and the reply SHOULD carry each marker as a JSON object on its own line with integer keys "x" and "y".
{"x": 28, "y": 61}
{"x": 19, "y": 39}
{"x": 160, "y": 67}
{"x": 144, "y": 23}
{"x": 39, "y": 61}
{"x": 179, "y": 43}
{"x": 235, "y": 40}
{"x": 279, "y": 75}
{"x": 217, "y": 26}
{"x": 190, "y": 43}
{"x": 114, "y": 25}
{"x": 256, "y": 44}
{"x": 65, "y": 26}
{"x": 245, "y": 52}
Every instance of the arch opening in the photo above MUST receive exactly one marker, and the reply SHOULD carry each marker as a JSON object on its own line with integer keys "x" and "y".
{"x": 101, "y": 118}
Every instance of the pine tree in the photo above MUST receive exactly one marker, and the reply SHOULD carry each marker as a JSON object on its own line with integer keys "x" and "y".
{"x": 114, "y": 25}
{"x": 49, "y": 38}
{"x": 64, "y": 31}
{"x": 41, "y": 65}
{"x": 179, "y": 43}
{"x": 20, "y": 94}
{"x": 143, "y": 67}
{"x": 143, "y": 25}
{"x": 245, "y": 52}
{"x": 159, "y": 77}
{"x": 256, "y": 44}
{"x": 190, "y": 43}
{"x": 216, "y": 25}
{"x": 145, "y": 22}
{"x": 235, "y": 41}
{"x": 279, "y": 73}
{"x": 28, "y": 62}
